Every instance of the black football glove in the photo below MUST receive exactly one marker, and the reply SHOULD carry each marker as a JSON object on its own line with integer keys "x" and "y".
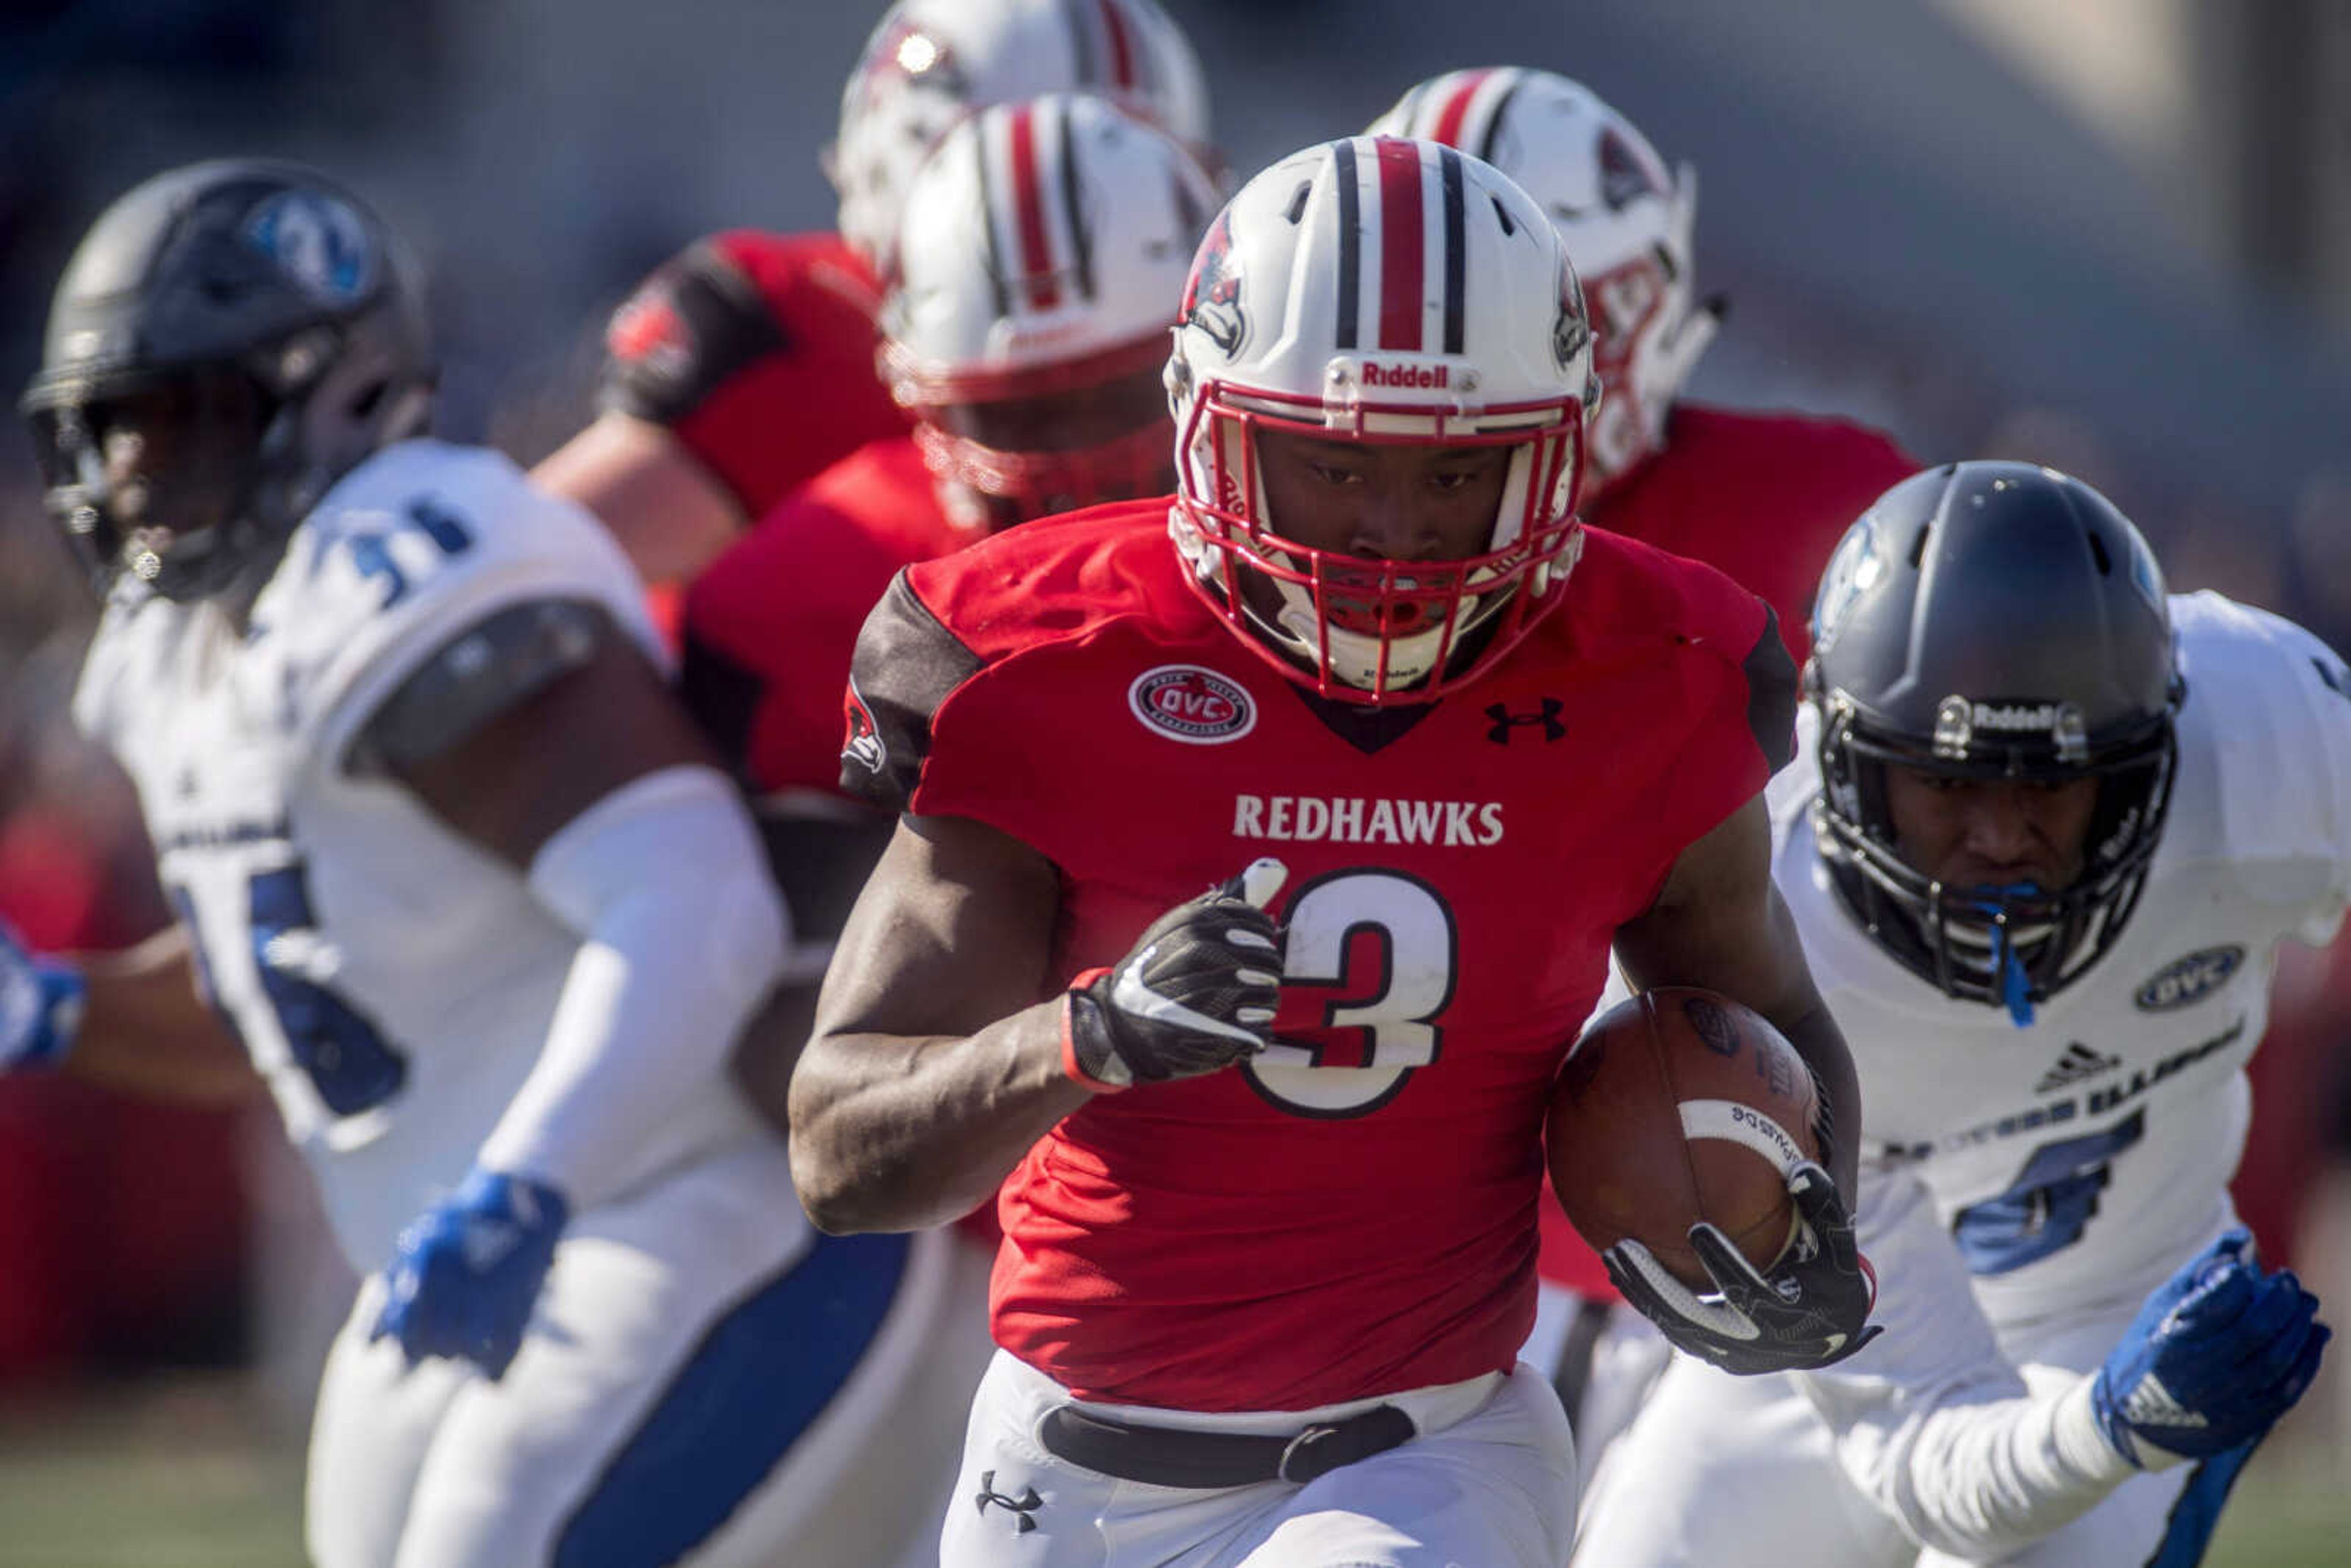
{"x": 1812, "y": 1310}
{"x": 1195, "y": 995}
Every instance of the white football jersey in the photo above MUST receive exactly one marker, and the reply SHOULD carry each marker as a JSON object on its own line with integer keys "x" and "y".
{"x": 392, "y": 981}
{"x": 2077, "y": 1160}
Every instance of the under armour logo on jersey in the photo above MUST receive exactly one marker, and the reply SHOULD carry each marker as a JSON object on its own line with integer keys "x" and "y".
{"x": 1505, "y": 721}
{"x": 2078, "y": 1063}
{"x": 1019, "y": 1508}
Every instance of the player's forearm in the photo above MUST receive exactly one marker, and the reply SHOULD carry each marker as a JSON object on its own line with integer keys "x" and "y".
{"x": 665, "y": 510}
{"x": 1817, "y": 1039}
{"x": 1980, "y": 1477}
{"x": 682, "y": 936}
{"x": 895, "y": 1133}
{"x": 146, "y": 1028}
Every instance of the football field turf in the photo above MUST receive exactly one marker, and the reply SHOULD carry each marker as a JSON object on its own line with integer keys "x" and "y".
{"x": 185, "y": 1477}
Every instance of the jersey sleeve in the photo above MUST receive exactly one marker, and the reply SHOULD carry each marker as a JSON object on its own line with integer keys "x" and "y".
{"x": 1743, "y": 729}
{"x": 1931, "y": 1422}
{"x": 2323, "y": 681}
{"x": 687, "y": 330}
{"x": 756, "y": 352}
{"x": 416, "y": 548}
{"x": 907, "y": 666}
{"x": 2269, "y": 704}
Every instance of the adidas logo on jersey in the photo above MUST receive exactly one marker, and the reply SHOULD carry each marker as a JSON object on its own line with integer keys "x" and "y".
{"x": 2078, "y": 1063}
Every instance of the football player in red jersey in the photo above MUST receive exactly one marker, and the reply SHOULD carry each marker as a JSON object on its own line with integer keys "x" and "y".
{"x": 744, "y": 365}
{"x": 1269, "y": 1154}
{"x": 1045, "y": 246}
{"x": 1763, "y": 496}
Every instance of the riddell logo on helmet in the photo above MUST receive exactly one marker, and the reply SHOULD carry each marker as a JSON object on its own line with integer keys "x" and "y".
{"x": 1379, "y": 375}
{"x": 2015, "y": 715}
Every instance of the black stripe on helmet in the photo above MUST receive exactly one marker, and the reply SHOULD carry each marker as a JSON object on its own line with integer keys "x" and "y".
{"x": 1079, "y": 234}
{"x": 1455, "y": 247}
{"x": 1351, "y": 244}
{"x": 1517, "y": 79}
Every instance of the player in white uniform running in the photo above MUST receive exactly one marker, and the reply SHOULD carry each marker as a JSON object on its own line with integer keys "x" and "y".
{"x": 459, "y": 873}
{"x": 2046, "y": 828}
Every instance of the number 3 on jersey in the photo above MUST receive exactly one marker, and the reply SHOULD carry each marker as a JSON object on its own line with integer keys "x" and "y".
{"x": 1351, "y": 932}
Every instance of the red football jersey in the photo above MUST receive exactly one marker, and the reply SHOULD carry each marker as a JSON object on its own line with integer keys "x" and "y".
{"x": 1761, "y": 496}
{"x": 756, "y": 351}
{"x": 780, "y": 609}
{"x": 1353, "y": 1212}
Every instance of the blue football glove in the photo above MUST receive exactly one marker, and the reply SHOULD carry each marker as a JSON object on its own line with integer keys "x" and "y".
{"x": 2216, "y": 1354}
{"x": 467, "y": 1271}
{"x": 40, "y": 1005}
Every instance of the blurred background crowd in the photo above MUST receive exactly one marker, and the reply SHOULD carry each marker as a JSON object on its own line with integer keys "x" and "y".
{"x": 2113, "y": 236}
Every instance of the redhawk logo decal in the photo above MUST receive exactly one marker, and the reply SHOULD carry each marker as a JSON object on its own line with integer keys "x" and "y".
{"x": 864, "y": 745}
{"x": 1624, "y": 177}
{"x": 1572, "y": 333}
{"x": 1187, "y": 702}
{"x": 1212, "y": 295}
{"x": 646, "y": 326}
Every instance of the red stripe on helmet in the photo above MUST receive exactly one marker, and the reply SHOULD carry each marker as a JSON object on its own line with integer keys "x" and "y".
{"x": 1122, "y": 52}
{"x": 1028, "y": 207}
{"x": 1456, "y": 109}
{"x": 1400, "y": 245}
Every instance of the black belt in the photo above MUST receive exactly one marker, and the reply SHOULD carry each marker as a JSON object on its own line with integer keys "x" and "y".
{"x": 1170, "y": 1456}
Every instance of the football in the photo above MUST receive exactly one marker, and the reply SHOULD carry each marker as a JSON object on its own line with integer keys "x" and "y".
{"x": 1675, "y": 1106}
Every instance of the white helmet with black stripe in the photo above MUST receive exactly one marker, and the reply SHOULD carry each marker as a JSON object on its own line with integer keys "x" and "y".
{"x": 928, "y": 63}
{"x": 1626, "y": 219}
{"x": 1044, "y": 250}
{"x": 1392, "y": 292}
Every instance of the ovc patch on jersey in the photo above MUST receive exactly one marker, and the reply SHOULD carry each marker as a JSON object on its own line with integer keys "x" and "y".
{"x": 2187, "y": 981}
{"x": 1195, "y": 705}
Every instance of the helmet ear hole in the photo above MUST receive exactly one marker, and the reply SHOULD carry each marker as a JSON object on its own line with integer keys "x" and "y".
{"x": 369, "y": 399}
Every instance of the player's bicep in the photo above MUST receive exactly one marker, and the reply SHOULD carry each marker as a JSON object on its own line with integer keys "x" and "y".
{"x": 952, "y": 933}
{"x": 1719, "y": 922}
{"x": 526, "y": 720}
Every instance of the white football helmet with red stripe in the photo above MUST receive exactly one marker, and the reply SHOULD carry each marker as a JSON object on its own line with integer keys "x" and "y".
{"x": 1043, "y": 252}
{"x": 1627, "y": 219}
{"x": 1397, "y": 292}
{"x": 930, "y": 62}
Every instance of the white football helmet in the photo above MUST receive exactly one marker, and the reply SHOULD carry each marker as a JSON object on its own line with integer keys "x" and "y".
{"x": 1043, "y": 251}
{"x": 1626, "y": 220}
{"x": 1395, "y": 292}
{"x": 930, "y": 62}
